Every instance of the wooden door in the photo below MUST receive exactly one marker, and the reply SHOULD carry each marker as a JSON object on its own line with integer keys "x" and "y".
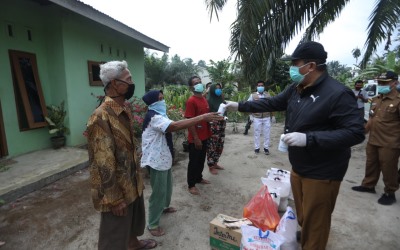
{"x": 3, "y": 141}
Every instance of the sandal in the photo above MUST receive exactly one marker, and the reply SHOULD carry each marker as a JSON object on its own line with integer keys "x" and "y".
{"x": 146, "y": 244}
{"x": 204, "y": 181}
{"x": 169, "y": 210}
{"x": 157, "y": 232}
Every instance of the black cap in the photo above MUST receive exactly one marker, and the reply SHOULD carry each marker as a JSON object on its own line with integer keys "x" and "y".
{"x": 308, "y": 50}
{"x": 388, "y": 76}
{"x": 151, "y": 97}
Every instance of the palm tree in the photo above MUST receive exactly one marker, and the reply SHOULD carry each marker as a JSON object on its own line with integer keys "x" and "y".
{"x": 263, "y": 28}
{"x": 356, "y": 53}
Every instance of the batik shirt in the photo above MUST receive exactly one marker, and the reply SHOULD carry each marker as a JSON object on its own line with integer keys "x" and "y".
{"x": 112, "y": 156}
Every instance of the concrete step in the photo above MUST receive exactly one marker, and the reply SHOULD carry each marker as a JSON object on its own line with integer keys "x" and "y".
{"x": 29, "y": 172}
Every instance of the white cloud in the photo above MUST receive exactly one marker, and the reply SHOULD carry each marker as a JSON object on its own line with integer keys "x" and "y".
{"x": 185, "y": 27}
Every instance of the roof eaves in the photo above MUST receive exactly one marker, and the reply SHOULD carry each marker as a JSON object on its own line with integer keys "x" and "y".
{"x": 103, "y": 19}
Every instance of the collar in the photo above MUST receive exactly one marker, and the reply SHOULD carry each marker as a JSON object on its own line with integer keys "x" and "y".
{"x": 303, "y": 89}
{"x": 118, "y": 109}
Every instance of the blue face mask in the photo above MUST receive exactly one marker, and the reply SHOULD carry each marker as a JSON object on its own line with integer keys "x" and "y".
{"x": 383, "y": 89}
{"x": 199, "y": 87}
{"x": 260, "y": 89}
{"x": 160, "y": 107}
{"x": 295, "y": 74}
{"x": 218, "y": 92}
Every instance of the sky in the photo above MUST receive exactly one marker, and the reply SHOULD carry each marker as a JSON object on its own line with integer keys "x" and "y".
{"x": 185, "y": 27}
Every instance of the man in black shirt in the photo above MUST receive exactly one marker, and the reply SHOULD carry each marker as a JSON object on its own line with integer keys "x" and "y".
{"x": 322, "y": 123}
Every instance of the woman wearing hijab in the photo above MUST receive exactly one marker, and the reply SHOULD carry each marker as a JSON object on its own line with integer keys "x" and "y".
{"x": 157, "y": 154}
{"x": 216, "y": 142}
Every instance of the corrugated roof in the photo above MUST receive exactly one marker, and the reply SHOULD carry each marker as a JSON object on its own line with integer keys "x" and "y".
{"x": 103, "y": 19}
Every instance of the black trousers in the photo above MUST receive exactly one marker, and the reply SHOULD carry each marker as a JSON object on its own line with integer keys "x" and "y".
{"x": 197, "y": 159}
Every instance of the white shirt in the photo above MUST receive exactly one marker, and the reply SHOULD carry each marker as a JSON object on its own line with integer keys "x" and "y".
{"x": 155, "y": 150}
{"x": 360, "y": 102}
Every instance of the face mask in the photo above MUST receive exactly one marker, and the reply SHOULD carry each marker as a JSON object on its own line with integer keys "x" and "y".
{"x": 383, "y": 89}
{"x": 358, "y": 88}
{"x": 218, "y": 92}
{"x": 295, "y": 74}
{"x": 260, "y": 89}
{"x": 160, "y": 107}
{"x": 129, "y": 93}
{"x": 199, "y": 88}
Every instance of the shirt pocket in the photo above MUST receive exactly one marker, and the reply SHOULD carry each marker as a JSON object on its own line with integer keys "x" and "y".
{"x": 391, "y": 113}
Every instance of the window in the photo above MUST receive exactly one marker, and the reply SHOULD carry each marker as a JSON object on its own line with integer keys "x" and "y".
{"x": 29, "y": 33}
{"x": 31, "y": 107}
{"x": 94, "y": 73}
{"x": 10, "y": 30}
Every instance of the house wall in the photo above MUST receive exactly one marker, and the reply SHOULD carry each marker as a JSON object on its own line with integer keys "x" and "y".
{"x": 63, "y": 42}
{"x": 82, "y": 41}
{"x": 21, "y": 19}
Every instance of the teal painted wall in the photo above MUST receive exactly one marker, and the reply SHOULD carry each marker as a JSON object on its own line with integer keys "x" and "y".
{"x": 13, "y": 14}
{"x": 82, "y": 42}
{"x": 63, "y": 42}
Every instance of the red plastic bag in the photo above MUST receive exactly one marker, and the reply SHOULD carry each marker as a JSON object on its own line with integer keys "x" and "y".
{"x": 262, "y": 210}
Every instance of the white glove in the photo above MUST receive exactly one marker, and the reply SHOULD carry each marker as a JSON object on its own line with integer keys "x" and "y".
{"x": 251, "y": 118}
{"x": 232, "y": 106}
{"x": 295, "y": 139}
{"x": 273, "y": 120}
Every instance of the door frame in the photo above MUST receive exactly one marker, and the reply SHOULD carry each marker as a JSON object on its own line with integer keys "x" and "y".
{"x": 3, "y": 140}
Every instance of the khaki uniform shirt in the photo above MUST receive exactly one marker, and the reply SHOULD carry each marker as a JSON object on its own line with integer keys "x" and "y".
{"x": 256, "y": 96}
{"x": 384, "y": 123}
{"x": 113, "y": 163}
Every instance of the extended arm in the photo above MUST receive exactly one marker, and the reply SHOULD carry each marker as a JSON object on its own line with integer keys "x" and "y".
{"x": 189, "y": 123}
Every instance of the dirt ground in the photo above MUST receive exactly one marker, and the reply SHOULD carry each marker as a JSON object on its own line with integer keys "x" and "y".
{"x": 61, "y": 215}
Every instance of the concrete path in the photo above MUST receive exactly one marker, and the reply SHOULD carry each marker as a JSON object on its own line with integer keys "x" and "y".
{"x": 32, "y": 171}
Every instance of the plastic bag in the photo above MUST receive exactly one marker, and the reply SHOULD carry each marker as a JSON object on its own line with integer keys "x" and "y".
{"x": 255, "y": 239}
{"x": 287, "y": 228}
{"x": 278, "y": 174}
{"x": 281, "y": 188}
{"x": 262, "y": 210}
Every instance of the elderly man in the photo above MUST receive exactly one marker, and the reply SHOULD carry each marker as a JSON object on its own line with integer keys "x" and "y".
{"x": 383, "y": 147}
{"x": 157, "y": 155}
{"x": 322, "y": 123}
{"x": 116, "y": 183}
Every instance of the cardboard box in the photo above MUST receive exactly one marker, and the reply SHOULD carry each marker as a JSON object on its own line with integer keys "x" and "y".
{"x": 223, "y": 238}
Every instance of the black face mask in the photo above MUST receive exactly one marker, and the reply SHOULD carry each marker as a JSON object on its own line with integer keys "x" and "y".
{"x": 131, "y": 89}
{"x": 129, "y": 93}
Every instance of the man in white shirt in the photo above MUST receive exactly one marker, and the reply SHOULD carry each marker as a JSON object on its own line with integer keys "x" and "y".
{"x": 361, "y": 96}
{"x": 157, "y": 152}
{"x": 261, "y": 121}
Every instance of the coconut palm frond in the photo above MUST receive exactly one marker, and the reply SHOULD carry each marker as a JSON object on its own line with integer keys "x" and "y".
{"x": 326, "y": 13}
{"x": 384, "y": 18}
{"x": 214, "y": 6}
